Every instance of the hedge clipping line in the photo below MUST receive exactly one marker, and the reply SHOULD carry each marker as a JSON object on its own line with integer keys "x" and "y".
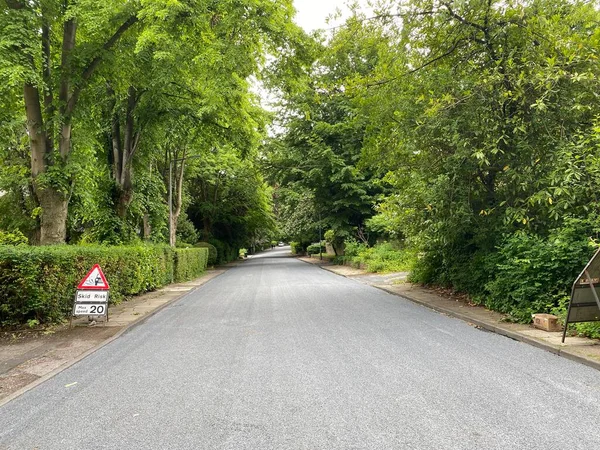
{"x": 39, "y": 283}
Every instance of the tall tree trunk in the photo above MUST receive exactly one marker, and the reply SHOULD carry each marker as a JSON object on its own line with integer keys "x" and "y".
{"x": 207, "y": 227}
{"x": 54, "y": 216}
{"x": 53, "y": 219}
{"x": 123, "y": 149}
{"x": 179, "y": 197}
{"x": 146, "y": 226}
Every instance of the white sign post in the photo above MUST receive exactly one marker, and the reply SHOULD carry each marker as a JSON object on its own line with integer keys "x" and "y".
{"x": 91, "y": 298}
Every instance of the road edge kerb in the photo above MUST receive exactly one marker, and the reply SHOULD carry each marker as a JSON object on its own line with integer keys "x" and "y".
{"x": 484, "y": 325}
{"x": 94, "y": 349}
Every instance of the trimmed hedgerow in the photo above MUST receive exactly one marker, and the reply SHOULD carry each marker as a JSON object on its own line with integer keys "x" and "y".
{"x": 225, "y": 252}
{"x": 189, "y": 263}
{"x": 212, "y": 252}
{"x": 38, "y": 283}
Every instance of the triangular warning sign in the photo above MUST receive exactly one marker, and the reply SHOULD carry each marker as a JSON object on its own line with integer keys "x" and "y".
{"x": 95, "y": 279}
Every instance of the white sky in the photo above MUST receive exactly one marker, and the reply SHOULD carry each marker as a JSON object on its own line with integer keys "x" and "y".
{"x": 312, "y": 14}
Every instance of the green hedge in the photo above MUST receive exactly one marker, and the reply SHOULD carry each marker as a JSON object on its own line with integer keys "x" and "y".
{"x": 39, "y": 283}
{"x": 212, "y": 252}
{"x": 297, "y": 248}
{"x": 314, "y": 249}
{"x": 225, "y": 252}
{"x": 190, "y": 263}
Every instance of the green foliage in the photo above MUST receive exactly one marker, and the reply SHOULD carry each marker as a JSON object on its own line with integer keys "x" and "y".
{"x": 12, "y": 238}
{"x": 533, "y": 274}
{"x": 480, "y": 125}
{"x": 225, "y": 252}
{"x": 296, "y": 214}
{"x": 382, "y": 257}
{"x": 143, "y": 86}
{"x": 315, "y": 249}
{"x": 230, "y": 200}
{"x": 315, "y": 160}
{"x": 190, "y": 263}
{"x": 212, "y": 252}
{"x": 39, "y": 283}
{"x": 186, "y": 231}
{"x": 297, "y": 248}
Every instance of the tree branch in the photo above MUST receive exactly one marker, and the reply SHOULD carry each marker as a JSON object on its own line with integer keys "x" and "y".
{"x": 91, "y": 67}
{"x": 15, "y": 4}
{"x": 463, "y": 20}
{"x": 416, "y": 69}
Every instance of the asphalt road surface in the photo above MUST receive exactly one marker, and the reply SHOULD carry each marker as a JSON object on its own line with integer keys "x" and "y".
{"x": 279, "y": 354}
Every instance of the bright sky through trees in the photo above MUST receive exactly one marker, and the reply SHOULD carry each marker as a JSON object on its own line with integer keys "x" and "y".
{"x": 313, "y": 14}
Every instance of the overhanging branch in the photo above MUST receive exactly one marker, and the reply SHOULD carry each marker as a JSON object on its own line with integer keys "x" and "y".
{"x": 91, "y": 67}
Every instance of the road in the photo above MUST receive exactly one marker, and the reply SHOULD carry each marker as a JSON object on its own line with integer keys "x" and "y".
{"x": 279, "y": 354}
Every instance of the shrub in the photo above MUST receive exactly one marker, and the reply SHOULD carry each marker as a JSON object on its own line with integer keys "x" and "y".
{"x": 534, "y": 274}
{"x": 314, "y": 249}
{"x": 384, "y": 257}
{"x": 298, "y": 248}
{"x": 225, "y": 252}
{"x": 186, "y": 231}
{"x": 39, "y": 283}
{"x": 189, "y": 263}
{"x": 13, "y": 238}
{"x": 212, "y": 252}
{"x": 295, "y": 247}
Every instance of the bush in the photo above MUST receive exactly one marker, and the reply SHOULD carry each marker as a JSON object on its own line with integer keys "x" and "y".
{"x": 297, "y": 248}
{"x": 212, "y": 252}
{"x": 189, "y": 263}
{"x": 186, "y": 231}
{"x": 315, "y": 249}
{"x": 13, "y": 238}
{"x": 225, "y": 252}
{"x": 534, "y": 274}
{"x": 384, "y": 257}
{"x": 39, "y": 283}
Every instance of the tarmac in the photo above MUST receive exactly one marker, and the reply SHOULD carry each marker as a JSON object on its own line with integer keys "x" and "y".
{"x": 583, "y": 350}
{"x": 28, "y": 359}
{"x": 279, "y": 354}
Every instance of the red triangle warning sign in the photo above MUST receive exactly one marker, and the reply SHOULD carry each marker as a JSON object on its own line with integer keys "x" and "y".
{"x": 95, "y": 279}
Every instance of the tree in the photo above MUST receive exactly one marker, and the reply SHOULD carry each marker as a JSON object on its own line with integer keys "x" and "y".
{"x": 320, "y": 147}
{"x": 115, "y": 73}
{"x": 470, "y": 110}
{"x": 54, "y": 67}
{"x": 230, "y": 200}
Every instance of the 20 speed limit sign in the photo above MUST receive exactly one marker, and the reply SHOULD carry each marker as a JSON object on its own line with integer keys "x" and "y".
{"x": 90, "y": 309}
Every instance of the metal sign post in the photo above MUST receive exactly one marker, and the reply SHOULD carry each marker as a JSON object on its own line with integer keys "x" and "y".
{"x": 585, "y": 295}
{"x": 91, "y": 298}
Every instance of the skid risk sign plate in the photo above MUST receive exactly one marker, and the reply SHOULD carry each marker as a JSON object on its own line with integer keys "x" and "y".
{"x": 92, "y": 296}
